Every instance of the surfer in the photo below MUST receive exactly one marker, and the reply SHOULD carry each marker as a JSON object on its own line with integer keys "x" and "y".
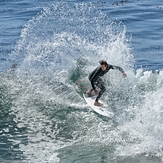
{"x": 96, "y": 81}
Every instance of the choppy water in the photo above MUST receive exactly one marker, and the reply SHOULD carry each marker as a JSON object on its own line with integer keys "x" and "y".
{"x": 43, "y": 117}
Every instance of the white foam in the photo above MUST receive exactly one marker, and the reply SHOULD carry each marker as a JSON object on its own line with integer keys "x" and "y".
{"x": 64, "y": 41}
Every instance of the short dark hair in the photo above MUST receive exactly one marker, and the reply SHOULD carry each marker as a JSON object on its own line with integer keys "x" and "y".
{"x": 102, "y": 62}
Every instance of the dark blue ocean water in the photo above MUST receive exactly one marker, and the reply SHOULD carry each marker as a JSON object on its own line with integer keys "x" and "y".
{"x": 54, "y": 45}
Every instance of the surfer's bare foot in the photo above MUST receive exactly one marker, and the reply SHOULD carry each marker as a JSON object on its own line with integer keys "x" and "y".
{"x": 96, "y": 103}
{"x": 88, "y": 93}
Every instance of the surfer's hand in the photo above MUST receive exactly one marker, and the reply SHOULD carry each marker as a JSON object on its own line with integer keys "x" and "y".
{"x": 124, "y": 75}
{"x": 96, "y": 92}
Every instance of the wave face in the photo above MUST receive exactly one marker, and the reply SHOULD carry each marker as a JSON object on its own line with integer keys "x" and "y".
{"x": 56, "y": 50}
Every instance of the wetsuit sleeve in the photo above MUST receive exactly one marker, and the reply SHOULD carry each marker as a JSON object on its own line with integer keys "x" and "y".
{"x": 94, "y": 77}
{"x": 117, "y": 68}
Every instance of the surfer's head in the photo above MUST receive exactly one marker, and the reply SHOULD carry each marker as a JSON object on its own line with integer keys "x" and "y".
{"x": 103, "y": 65}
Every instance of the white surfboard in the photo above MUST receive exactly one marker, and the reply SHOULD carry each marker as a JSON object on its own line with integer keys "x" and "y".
{"x": 103, "y": 110}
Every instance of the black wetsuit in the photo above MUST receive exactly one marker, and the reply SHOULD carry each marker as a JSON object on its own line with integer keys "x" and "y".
{"x": 95, "y": 79}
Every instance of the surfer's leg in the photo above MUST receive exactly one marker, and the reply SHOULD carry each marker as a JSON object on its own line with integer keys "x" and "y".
{"x": 100, "y": 84}
{"x": 89, "y": 92}
{"x": 102, "y": 90}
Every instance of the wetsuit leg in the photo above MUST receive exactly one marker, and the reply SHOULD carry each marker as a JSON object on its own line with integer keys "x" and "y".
{"x": 100, "y": 84}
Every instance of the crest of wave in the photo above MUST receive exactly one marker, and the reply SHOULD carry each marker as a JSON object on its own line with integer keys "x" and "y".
{"x": 53, "y": 42}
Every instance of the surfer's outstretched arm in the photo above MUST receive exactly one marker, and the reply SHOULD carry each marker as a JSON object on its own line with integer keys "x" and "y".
{"x": 120, "y": 69}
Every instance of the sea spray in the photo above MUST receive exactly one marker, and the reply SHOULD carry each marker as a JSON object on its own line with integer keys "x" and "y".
{"x": 47, "y": 104}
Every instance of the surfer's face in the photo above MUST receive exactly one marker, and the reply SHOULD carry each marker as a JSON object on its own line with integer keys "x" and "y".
{"x": 103, "y": 67}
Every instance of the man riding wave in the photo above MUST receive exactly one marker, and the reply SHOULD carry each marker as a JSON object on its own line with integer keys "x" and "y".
{"x": 96, "y": 81}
